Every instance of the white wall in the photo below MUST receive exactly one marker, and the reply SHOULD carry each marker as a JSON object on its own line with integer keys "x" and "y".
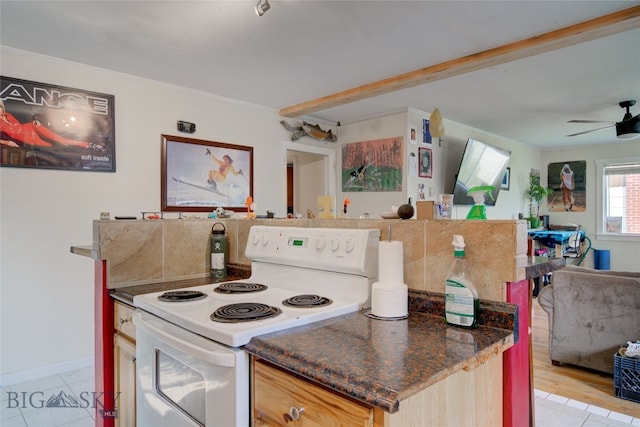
{"x": 446, "y": 159}
{"x": 46, "y": 294}
{"x": 389, "y": 126}
{"x": 311, "y": 181}
{"x": 523, "y": 158}
{"x": 624, "y": 254}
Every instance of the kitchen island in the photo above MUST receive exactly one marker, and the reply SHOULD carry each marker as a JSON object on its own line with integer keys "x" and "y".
{"x": 393, "y": 366}
{"x": 131, "y": 254}
{"x": 396, "y": 366}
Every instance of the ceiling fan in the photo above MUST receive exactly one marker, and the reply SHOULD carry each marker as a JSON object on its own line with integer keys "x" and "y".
{"x": 628, "y": 128}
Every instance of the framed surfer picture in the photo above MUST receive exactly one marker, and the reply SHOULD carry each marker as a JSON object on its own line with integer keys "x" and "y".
{"x": 200, "y": 176}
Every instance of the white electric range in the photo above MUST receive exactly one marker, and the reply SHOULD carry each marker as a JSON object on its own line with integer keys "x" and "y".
{"x": 190, "y": 369}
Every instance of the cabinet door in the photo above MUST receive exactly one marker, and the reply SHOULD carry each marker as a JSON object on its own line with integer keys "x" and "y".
{"x": 283, "y": 399}
{"x": 125, "y": 381}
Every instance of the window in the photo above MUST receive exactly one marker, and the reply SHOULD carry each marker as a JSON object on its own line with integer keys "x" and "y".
{"x": 619, "y": 199}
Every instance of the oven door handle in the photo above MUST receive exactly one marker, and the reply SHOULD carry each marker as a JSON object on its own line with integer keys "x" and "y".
{"x": 221, "y": 358}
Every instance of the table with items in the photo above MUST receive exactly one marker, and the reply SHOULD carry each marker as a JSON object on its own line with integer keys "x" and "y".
{"x": 556, "y": 239}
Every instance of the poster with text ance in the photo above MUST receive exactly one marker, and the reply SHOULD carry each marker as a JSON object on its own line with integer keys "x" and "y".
{"x": 55, "y": 127}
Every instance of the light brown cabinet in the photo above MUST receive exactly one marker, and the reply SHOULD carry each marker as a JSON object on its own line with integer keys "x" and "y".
{"x": 283, "y": 399}
{"x": 471, "y": 396}
{"x": 124, "y": 349}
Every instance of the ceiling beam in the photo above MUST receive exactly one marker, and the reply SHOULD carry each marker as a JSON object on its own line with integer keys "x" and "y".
{"x": 617, "y": 22}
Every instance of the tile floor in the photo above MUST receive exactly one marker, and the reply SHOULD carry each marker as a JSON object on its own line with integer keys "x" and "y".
{"x": 557, "y": 411}
{"x": 24, "y": 405}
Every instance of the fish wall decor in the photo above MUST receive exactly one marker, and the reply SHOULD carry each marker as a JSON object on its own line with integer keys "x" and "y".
{"x": 307, "y": 129}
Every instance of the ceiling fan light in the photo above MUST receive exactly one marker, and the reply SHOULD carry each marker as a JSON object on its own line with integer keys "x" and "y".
{"x": 629, "y": 129}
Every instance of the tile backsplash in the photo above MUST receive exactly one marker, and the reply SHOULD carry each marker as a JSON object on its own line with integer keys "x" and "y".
{"x": 147, "y": 251}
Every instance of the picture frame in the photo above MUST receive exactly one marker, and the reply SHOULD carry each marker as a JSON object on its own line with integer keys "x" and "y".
{"x": 506, "y": 180}
{"x": 200, "y": 176}
{"x": 374, "y": 165}
{"x": 571, "y": 198}
{"x": 413, "y": 135}
{"x": 49, "y": 126}
{"x": 425, "y": 169}
{"x": 426, "y": 132}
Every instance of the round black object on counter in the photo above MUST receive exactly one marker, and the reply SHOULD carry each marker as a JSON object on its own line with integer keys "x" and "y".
{"x": 406, "y": 211}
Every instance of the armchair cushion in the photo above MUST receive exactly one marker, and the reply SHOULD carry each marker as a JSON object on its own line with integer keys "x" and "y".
{"x": 591, "y": 314}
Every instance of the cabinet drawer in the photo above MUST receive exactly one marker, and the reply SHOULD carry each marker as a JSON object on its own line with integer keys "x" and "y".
{"x": 123, "y": 319}
{"x": 278, "y": 395}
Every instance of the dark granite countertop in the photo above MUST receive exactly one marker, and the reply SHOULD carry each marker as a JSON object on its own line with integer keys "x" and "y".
{"x": 538, "y": 266}
{"x": 382, "y": 362}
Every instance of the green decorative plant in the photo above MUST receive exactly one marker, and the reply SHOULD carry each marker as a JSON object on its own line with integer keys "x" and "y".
{"x": 535, "y": 194}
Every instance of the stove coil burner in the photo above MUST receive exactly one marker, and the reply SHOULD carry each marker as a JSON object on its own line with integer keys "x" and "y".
{"x": 307, "y": 301}
{"x": 178, "y": 296}
{"x": 239, "y": 288}
{"x": 244, "y": 312}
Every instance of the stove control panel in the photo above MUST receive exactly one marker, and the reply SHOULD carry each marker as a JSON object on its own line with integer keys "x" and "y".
{"x": 343, "y": 250}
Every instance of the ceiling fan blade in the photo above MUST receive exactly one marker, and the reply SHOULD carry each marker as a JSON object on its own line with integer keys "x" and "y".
{"x": 592, "y": 130}
{"x": 589, "y": 121}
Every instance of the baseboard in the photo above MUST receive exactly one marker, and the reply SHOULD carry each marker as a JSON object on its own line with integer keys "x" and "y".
{"x": 45, "y": 371}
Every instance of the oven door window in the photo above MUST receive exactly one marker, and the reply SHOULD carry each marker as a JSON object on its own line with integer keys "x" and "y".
{"x": 181, "y": 386}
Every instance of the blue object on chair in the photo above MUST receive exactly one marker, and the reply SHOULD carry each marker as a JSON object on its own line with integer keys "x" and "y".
{"x": 602, "y": 259}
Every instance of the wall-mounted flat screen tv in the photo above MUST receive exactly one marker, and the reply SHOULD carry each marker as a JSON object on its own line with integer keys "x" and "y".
{"x": 481, "y": 164}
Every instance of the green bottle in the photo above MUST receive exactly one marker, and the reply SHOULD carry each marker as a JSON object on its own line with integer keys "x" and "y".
{"x": 479, "y": 210}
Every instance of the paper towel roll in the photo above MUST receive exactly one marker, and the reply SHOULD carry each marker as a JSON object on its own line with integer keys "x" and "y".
{"x": 389, "y": 301}
{"x": 390, "y": 263}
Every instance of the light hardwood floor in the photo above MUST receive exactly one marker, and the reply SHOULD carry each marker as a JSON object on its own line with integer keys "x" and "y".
{"x": 581, "y": 384}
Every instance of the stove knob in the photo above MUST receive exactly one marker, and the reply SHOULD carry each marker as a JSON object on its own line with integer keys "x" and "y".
{"x": 320, "y": 245}
{"x": 264, "y": 239}
{"x": 335, "y": 244}
{"x": 349, "y": 245}
{"x": 256, "y": 239}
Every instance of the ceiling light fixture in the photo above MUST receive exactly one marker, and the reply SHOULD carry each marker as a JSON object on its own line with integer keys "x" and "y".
{"x": 629, "y": 127}
{"x": 262, "y": 7}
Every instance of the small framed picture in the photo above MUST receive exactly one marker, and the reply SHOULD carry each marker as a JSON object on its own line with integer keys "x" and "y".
{"x": 413, "y": 135}
{"x": 426, "y": 133}
{"x": 426, "y": 163}
{"x": 506, "y": 180}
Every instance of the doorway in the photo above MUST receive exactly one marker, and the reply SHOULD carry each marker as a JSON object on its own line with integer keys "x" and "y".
{"x": 310, "y": 173}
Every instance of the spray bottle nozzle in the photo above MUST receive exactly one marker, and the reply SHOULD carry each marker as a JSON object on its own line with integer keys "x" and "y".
{"x": 478, "y": 211}
{"x": 478, "y": 193}
{"x": 458, "y": 241}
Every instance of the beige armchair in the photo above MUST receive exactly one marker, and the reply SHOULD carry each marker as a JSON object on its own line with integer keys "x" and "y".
{"x": 591, "y": 314}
